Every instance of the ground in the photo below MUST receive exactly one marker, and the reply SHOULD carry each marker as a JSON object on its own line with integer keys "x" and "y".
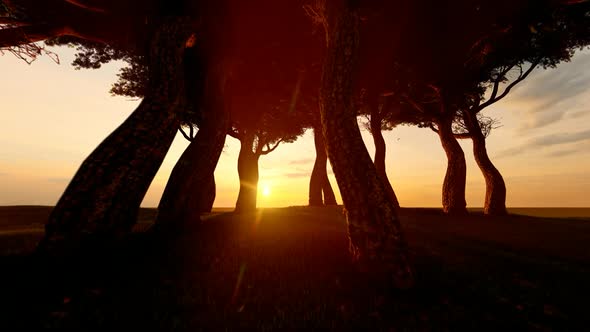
{"x": 288, "y": 268}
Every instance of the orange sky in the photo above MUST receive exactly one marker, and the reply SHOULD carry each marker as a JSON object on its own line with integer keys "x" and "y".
{"x": 53, "y": 116}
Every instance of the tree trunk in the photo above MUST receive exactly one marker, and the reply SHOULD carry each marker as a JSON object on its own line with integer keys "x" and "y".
{"x": 248, "y": 173}
{"x": 208, "y": 196}
{"x": 376, "y": 241}
{"x": 495, "y": 201}
{"x": 102, "y": 200}
{"x": 191, "y": 187}
{"x": 379, "y": 159}
{"x": 319, "y": 182}
{"x": 453, "y": 192}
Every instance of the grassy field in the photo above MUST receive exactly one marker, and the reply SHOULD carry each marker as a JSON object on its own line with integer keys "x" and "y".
{"x": 289, "y": 269}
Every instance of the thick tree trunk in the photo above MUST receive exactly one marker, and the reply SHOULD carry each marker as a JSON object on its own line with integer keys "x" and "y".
{"x": 191, "y": 187}
{"x": 453, "y": 192}
{"x": 208, "y": 196}
{"x": 379, "y": 160}
{"x": 319, "y": 182}
{"x": 248, "y": 173}
{"x": 495, "y": 201}
{"x": 102, "y": 200}
{"x": 375, "y": 236}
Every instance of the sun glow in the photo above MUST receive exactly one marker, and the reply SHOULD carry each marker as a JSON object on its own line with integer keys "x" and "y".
{"x": 266, "y": 191}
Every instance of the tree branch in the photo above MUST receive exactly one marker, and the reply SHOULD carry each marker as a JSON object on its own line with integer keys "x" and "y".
{"x": 188, "y": 138}
{"x": 85, "y": 7}
{"x": 414, "y": 104}
{"x": 493, "y": 98}
{"x": 462, "y": 136}
{"x": 12, "y": 37}
{"x": 234, "y": 133}
{"x": 269, "y": 149}
{"x": 12, "y": 22}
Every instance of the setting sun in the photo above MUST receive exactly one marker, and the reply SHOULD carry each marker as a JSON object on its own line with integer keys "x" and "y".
{"x": 266, "y": 191}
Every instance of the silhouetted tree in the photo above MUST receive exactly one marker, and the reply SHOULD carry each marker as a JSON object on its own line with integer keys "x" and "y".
{"x": 320, "y": 189}
{"x": 376, "y": 240}
{"x": 544, "y": 36}
{"x": 260, "y": 134}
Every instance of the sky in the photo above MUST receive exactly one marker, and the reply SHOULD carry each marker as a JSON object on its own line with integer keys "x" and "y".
{"x": 53, "y": 116}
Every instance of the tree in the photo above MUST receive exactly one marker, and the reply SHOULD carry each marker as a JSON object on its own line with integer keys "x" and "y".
{"x": 545, "y": 37}
{"x": 270, "y": 90}
{"x": 376, "y": 240}
{"x": 260, "y": 135}
{"x": 99, "y": 201}
{"x": 320, "y": 190}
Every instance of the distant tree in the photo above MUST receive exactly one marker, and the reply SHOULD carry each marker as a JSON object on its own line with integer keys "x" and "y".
{"x": 259, "y": 134}
{"x": 320, "y": 189}
{"x": 383, "y": 112}
{"x": 545, "y": 37}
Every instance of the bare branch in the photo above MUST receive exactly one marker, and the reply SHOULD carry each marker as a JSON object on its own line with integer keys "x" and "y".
{"x": 188, "y": 138}
{"x": 86, "y": 7}
{"x": 522, "y": 75}
{"x": 270, "y": 149}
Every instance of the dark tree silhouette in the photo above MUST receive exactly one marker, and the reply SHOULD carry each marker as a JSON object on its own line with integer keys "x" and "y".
{"x": 103, "y": 198}
{"x": 545, "y": 37}
{"x": 376, "y": 239}
{"x": 260, "y": 134}
{"x": 320, "y": 189}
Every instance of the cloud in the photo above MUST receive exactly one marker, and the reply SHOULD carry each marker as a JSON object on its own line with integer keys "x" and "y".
{"x": 562, "y": 153}
{"x": 59, "y": 180}
{"x": 299, "y": 174}
{"x": 561, "y": 138}
{"x": 551, "y": 95}
{"x": 550, "y": 141}
{"x": 305, "y": 161}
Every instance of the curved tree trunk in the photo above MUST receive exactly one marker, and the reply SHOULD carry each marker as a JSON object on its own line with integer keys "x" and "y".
{"x": 453, "y": 192}
{"x": 376, "y": 241}
{"x": 191, "y": 187}
{"x": 495, "y": 201}
{"x": 248, "y": 173}
{"x": 329, "y": 197}
{"x": 319, "y": 182}
{"x": 208, "y": 196}
{"x": 102, "y": 200}
{"x": 379, "y": 159}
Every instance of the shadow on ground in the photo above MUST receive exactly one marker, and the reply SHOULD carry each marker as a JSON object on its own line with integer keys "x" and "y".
{"x": 289, "y": 268}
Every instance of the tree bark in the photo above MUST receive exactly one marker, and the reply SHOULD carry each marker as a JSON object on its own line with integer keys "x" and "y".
{"x": 379, "y": 160}
{"x": 248, "y": 173}
{"x": 191, "y": 187}
{"x": 495, "y": 201}
{"x": 319, "y": 182}
{"x": 208, "y": 196}
{"x": 453, "y": 192}
{"x": 376, "y": 241}
{"x": 102, "y": 200}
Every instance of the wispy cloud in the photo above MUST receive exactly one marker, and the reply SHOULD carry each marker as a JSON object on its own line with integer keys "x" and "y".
{"x": 299, "y": 174}
{"x": 305, "y": 161}
{"x": 549, "y": 96}
{"x": 59, "y": 180}
{"x": 550, "y": 141}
